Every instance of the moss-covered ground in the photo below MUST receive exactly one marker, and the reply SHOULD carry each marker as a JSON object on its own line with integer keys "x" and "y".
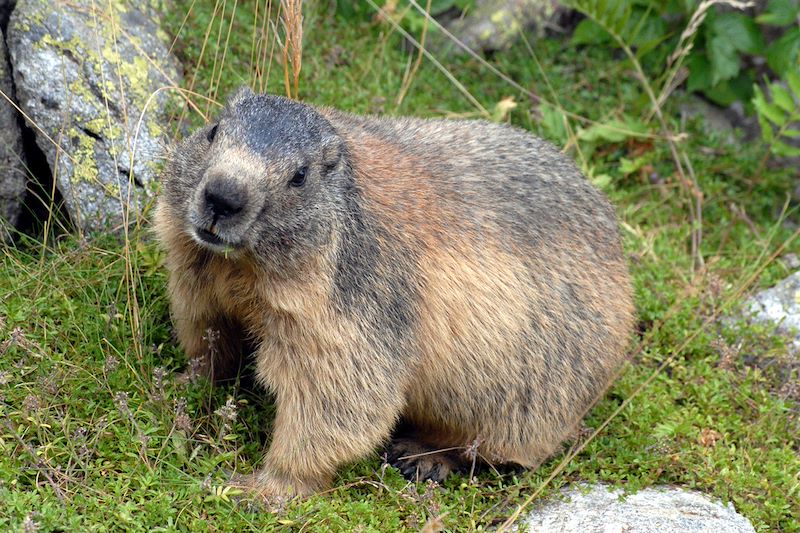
{"x": 97, "y": 433}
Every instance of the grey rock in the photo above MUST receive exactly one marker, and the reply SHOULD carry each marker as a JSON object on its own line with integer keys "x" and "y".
{"x": 84, "y": 72}
{"x": 722, "y": 121}
{"x": 715, "y": 119}
{"x": 735, "y": 118}
{"x": 495, "y": 24}
{"x": 5, "y": 10}
{"x": 791, "y": 261}
{"x": 653, "y": 510}
{"x": 13, "y": 175}
{"x": 779, "y": 305}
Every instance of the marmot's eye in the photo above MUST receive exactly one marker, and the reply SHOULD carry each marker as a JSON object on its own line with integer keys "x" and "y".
{"x": 299, "y": 178}
{"x": 212, "y": 133}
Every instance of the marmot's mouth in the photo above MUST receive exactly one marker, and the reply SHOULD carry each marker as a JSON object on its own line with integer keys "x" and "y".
{"x": 213, "y": 241}
{"x": 211, "y": 238}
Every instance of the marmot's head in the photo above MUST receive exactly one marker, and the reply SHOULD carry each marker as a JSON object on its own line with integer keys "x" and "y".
{"x": 265, "y": 179}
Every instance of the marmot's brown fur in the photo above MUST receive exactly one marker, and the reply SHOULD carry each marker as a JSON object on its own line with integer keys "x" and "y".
{"x": 458, "y": 282}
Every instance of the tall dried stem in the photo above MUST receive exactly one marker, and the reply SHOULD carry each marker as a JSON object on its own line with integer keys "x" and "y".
{"x": 686, "y": 42}
{"x": 408, "y": 78}
{"x": 292, "y": 21}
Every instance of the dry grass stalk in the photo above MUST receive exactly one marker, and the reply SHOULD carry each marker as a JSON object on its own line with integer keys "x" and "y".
{"x": 292, "y": 46}
{"x": 408, "y": 78}
{"x": 265, "y": 38}
{"x": 387, "y": 17}
{"x": 686, "y": 42}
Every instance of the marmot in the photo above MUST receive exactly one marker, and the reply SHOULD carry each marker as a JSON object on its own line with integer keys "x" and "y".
{"x": 457, "y": 282}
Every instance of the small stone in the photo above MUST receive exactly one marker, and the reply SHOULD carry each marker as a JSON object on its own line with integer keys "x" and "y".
{"x": 791, "y": 261}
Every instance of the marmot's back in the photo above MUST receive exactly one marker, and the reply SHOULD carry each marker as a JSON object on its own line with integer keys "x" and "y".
{"x": 492, "y": 175}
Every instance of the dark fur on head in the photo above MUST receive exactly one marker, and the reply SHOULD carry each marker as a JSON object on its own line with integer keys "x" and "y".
{"x": 256, "y": 148}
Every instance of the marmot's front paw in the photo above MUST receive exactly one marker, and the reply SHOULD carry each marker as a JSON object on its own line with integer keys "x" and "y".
{"x": 268, "y": 490}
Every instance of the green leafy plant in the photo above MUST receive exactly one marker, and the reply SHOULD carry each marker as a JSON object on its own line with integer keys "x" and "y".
{"x": 730, "y": 44}
{"x": 779, "y": 116}
{"x": 783, "y": 53}
{"x": 644, "y": 22}
{"x": 725, "y": 51}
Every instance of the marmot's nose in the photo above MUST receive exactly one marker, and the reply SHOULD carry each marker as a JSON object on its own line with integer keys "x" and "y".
{"x": 224, "y": 197}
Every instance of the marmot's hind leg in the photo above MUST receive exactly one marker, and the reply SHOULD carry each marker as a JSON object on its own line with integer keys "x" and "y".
{"x": 418, "y": 458}
{"x": 418, "y": 461}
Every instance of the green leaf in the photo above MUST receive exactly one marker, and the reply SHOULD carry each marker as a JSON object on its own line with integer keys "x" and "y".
{"x": 792, "y": 133}
{"x": 612, "y": 15}
{"x": 644, "y": 26}
{"x": 665, "y": 429}
{"x": 629, "y": 166}
{"x": 613, "y": 131}
{"x": 699, "y": 73}
{"x": 793, "y": 79}
{"x": 726, "y": 92}
{"x": 601, "y": 181}
{"x": 650, "y": 32}
{"x": 782, "y": 97}
{"x": 646, "y": 47}
{"x": 589, "y": 32}
{"x": 767, "y": 109}
{"x": 766, "y": 129}
{"x": 724, "y": 60}
{"x": 785, "y": 150}
{"x": 438, "y": 6}
{"x": 779, "y": 13}
{"x": 740, "y": 32}
{"x": 774, "y": 114}
{"x": 782, "y": 54}
{"x": 759, "y": 101}
{"x": 554, "y": 121}
{"x": 616, "y": 16}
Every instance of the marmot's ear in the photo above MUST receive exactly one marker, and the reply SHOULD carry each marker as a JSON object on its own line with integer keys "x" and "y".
{"x": 332, "y": 151}
{"x": 243, "y": 93}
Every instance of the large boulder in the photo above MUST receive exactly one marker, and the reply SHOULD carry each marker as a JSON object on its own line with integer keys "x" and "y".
{"x": 656, "y": 510}
{"x": 492, "y": 25}
{"x": 779, "y": 305}
{"x": 13, "y": 176}
{"x": 85, "y": 71}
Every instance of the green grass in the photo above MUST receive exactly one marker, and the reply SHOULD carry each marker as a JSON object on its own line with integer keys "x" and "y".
{"x": 97, "y": 431}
